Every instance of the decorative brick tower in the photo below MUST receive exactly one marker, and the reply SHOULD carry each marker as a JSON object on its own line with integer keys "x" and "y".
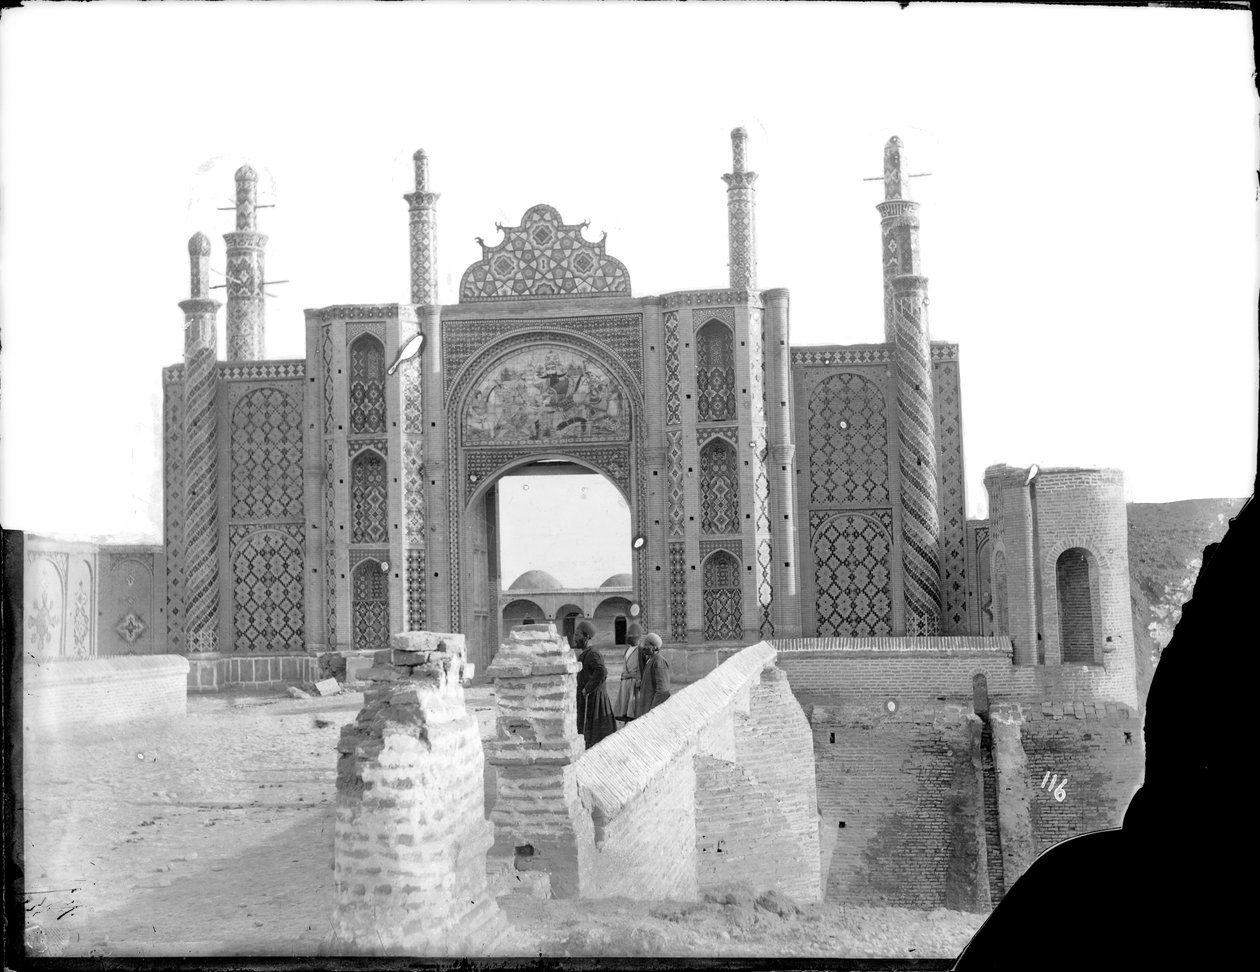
{"x": 906, "y": 328}
{"x": 245, "y": 301}
{"x": 200, "y": 496}
{"x": 741, "y": 215}
{"x": 422, "y": 206}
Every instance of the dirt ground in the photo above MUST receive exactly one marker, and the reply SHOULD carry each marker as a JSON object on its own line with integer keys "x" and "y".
{"x": 212, "y": 835}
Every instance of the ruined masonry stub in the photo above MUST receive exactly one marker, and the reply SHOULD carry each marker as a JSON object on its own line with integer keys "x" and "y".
{"x": 538, "y": 820}
{"x": 410, "y": 842}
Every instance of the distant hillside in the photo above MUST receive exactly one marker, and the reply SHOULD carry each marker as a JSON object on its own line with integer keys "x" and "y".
{"x": 1166, "y": 542}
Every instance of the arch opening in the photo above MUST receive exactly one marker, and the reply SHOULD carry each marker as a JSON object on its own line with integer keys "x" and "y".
{"x": 1076, "y": 577}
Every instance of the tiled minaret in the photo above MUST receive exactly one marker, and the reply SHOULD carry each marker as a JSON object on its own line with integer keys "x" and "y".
{"x": 245, "y": 246}
{"x": 201, "y": 530}
{"x": 423, "y": 211}
{"x": 906, "y": 321}
{"x": 420, "y": 462}
{"x": 741, "y": 215}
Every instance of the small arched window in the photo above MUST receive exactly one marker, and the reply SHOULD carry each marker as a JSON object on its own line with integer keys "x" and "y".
{"x": 1077, "y": 580}
{"x": 369, "y": 511}
{"x": 719, "y": 488}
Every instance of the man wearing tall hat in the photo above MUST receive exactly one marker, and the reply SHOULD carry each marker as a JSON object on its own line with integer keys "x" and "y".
{"x": 654, "y": 688}
{"x": 631, "y": 672}
{"x": 595, "y": 712}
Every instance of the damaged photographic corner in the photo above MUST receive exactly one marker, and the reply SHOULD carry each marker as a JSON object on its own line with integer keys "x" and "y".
{"x": 576, "y": 591}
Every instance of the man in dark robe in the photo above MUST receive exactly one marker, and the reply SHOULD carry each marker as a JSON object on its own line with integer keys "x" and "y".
{"x": 595, "y": 711}
{"x": 654, "y": 688}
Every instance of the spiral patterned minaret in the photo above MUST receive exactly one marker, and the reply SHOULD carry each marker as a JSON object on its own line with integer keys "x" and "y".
{"x": 201, "y": 529}
{"x": 245, "y": 302}
{"x": 906, "y": 328}
{"x": 741, "y": 215}
{"x": 423, "y": 213}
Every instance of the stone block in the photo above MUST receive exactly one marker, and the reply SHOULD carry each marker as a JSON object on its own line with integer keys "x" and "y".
{"x": 328, "y": 686}
{"x": 356, "y": 667}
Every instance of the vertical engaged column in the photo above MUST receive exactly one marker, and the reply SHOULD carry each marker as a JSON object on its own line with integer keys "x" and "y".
{"x": 907, "y": 330}
{"x": 782, "y": 460}
{"x": 916, "y": 434}
{"x": 201, "y": 530}
{"x": 741, "y": 215}
{"x": 422, "y": 222}
{"x": 441, "y": 503}
{"x": 652, "y": 587}
{"x": 245, "y": 246}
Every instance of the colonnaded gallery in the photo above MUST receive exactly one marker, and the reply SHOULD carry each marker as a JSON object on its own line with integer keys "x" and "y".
{"x": 775, "y": 491}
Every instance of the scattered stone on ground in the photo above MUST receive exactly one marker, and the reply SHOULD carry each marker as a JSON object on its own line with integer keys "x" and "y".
{"x": 218, "y": 841}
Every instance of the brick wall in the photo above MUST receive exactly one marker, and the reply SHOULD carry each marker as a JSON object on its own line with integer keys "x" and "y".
{"x": 742, "y": 835}
{"x": 1103, "y": 771}
{"x": 906, "y": 787}
{"x": 215, "y": 673}
{"x": 97, "y": 691}
{"x": 829, "y": 676}
{"x": 649, "y": 771}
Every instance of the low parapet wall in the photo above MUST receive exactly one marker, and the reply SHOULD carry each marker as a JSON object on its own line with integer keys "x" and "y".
{"x": 715, "y": 786}
{"x": 216, "y": 673}
{"x": 858, "y": 669}
{"x": 70, "y": 694}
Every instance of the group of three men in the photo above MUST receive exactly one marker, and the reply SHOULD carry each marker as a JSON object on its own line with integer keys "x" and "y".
{"x": 644, "y": 681}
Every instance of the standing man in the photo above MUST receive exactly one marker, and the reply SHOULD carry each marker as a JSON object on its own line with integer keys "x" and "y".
{"x": 631, "y": 672}
{"x": 594, "y": 706}
{"x": 654, "y": 689}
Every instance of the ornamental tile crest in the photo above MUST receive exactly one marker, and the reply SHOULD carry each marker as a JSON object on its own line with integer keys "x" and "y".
{"x": 130, "y": 627}
{"x": 544, "y": 257}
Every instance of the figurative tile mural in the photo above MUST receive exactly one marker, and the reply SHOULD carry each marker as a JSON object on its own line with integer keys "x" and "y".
{"x": 543, "y": 257}
{"x": 546, "y": 394}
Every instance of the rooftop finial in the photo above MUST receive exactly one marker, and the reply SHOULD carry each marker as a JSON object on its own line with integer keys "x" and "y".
{"x": 739, "y": 150}
{"x": 896, "y": 172}
{"x": 421, "y": 159}
{"x": 199, "y": 265}
{"x": 246, "y": 198}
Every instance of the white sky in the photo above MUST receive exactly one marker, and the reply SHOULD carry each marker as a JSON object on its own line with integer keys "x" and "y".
{"x": 1089, "y": 227}
{"x": 575, "y": 527}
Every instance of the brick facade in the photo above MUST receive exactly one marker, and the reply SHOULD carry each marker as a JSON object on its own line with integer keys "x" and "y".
{"x": 72, "y": 695}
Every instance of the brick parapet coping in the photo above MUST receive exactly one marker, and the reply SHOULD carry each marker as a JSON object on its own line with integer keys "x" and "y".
{"x": 69, "y": 671}
{"x": 972, "y": 645}
{"x": 623, "y": 765}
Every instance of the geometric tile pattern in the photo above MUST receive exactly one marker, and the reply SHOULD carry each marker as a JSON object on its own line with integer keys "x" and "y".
{"x": 369, "y": 510}
{"x": 673, "y": 395}
{"x": 262, "y": 370}
{"x": 201, "y": 597}
{"x": 543, "y": 257}
{"x": 851, "y": 573}
{"x": 266, "y": 449}
{"x": 173, "y": 509}
{"x": 848, "y": 442}
{"x": 81, "y": 625}
{"x": 953, "y": 516}
{"x": 415, "y": 589}
{"x": 355, "y": 446}
{"x": 674, "y": 499}
{"x": 612, "y": 461}
{"x": 732, "y": 545}
{"x": 130, "y": 627}
{"x": 740, "y": 205}
{"x": 715, "y": 373}
{"x": 761, "y": 503}
{"x": 864, "y": 354}
{"x": 370, "y": 607}
{"x": 413, "y": 490}
{"x": 921, "y": 529}
{"x": 330, "y": 549}
{"x": 678, "y": 591}
{"x": 723, "y": 594}
{"x": 413, "y": 397}
{"x": 245, "y": 303}
{"x": 729, "y": 432}
{"x": 328, "y": 379}
{"x": 267, "y": 601}
{"x": 422, "y": 209}
{"x": 719, "y": 488}
{"x": 367, "y": 385}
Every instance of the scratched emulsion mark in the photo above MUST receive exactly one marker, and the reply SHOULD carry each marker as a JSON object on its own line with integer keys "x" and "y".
{"x": 1055, "y": 786}
{"x": 47, "y": 913}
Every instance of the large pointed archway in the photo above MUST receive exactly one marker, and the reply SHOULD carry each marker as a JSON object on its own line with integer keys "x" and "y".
{"x": 536, "y": 398}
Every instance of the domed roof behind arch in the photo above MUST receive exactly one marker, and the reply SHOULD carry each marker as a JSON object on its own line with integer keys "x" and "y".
{"x": 536, "y": 580}
{"x": 618, "y": 580}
